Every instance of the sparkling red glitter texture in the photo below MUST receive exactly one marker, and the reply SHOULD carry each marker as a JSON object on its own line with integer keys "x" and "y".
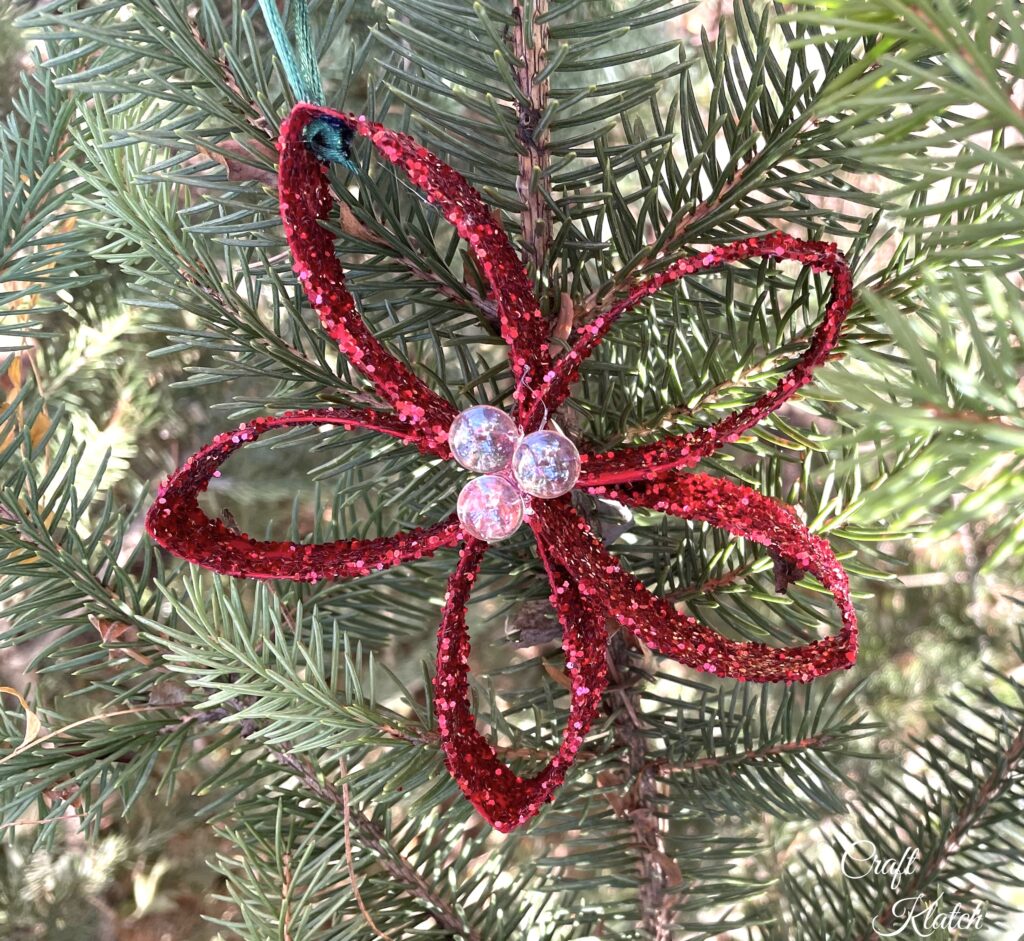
{"x": 176, "y": 521}
{"x": 588, "y": 585}
{"x": 677, "y": 451}
{"x": 723, "y": 504}
{"x": 306, "y": 200}
{"x": 504, "y": 798}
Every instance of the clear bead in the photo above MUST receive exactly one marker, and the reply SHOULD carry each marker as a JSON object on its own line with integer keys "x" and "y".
{"x": 490, "y": 508}
{"x": 546, "y": 464}
{"x": 482, "y": 439}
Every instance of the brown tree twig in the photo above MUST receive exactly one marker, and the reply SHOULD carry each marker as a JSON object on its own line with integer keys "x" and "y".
{"x": 286, "y": 888}
{"x": 812, "y": 743}
{"x": 657, "y": 869}
{"x": 530, "y": 38}
{"x": 710, "y": 585}
{"x": 253, "y": 118}
{"x": 353, "y": 881}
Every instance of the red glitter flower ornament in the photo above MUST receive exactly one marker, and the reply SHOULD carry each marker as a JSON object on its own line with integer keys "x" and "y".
{"x": 588, "y": 586}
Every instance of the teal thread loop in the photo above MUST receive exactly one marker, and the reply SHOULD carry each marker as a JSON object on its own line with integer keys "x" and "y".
{"x": 302, "y": 71}
{"x": 329, "y": 139}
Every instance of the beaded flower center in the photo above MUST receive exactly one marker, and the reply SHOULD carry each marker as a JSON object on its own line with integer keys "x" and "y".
{"x": 516, "y": 467}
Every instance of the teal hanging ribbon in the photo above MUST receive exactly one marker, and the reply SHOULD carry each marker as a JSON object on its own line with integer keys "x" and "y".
{"x": 307, "y": 56}
{"x": 329, "y": 139}
{"x": 302, "y": 72}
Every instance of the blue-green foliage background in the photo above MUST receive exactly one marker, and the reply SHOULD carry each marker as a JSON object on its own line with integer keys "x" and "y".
{"x": 191, "y": 746}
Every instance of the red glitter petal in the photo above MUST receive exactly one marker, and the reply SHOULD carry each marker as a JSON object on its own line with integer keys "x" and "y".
{"x": 645, "y": 462}
{"x": 522, "y": 324}
{"x": 304, "y": 194}
{"x": 503, "y": 798}
{"x": 725, "y": 505}
{"x": 177, "y": 522}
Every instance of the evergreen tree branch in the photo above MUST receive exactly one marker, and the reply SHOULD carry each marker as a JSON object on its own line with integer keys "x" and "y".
{"x": 956, "y": 802}
{"x": 371, "y": 835}
{"x": 465, "y": 296}
{"x": 813, "y": 743}
{"x": 255, "y": 119}
{"x": 1005, "y": 773}
{"x": 717, "y": 583}
{"x": 375, "y": 839}
{"x": 669, "y": 246}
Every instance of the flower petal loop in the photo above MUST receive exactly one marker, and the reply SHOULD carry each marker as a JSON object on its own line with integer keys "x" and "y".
{"x": 676, "y": 451}
{"x": 726, "y": 505}
{"x": 304, "y": 192}
{"x": 176, "y": 521}
{"x": 502, "y": 797}
{"x": 523, "y": 326}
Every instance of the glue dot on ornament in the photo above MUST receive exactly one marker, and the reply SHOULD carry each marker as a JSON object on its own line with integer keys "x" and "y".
{"x": 482, "y": 439}
{"x": 546, "y": 464}
{"x": 490, "y": 508}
